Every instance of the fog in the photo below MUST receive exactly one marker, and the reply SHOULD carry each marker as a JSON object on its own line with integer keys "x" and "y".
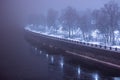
{"x": 14, "y": 13}
{"x": 17, "y": 11}
{"x": 13, "y": 18}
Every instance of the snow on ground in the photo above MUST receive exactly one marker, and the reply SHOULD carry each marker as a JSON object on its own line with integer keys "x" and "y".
{"x": 95, "y": 33}
{"x": 78, "y": 39}
{"x": 115, "y": 46}
{"x": 60, "y": 34}
{"x": 98, "y": 43}
{"x": 45, "y": 33}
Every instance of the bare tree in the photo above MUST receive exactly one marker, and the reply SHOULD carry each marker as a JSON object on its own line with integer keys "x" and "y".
{"x": 52, "y": 17}
{"x": 85, "y": 25}
{"x": 106, "y": 20}
{"x": 112, "y": 11}
{"x": 69, "y": 18}
{"x": 42, "y": 20}
{"x": 103, "y": 25}
{"x": 95, "y": 17}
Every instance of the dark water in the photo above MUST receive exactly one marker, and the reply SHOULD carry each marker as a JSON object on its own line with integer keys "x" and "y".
{"x": 21, "y": 60}
{"x": 62, "y": 67}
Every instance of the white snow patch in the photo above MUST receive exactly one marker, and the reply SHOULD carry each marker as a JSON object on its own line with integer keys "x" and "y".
{"x": 95, "y": 33}
{"x": 61, "y": 34}
{"x": 115, "y": 46}
{"x": 98, "y": 43}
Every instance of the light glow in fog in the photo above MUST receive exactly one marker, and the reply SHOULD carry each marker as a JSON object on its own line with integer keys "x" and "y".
{"x": 52, "y": 59}
{"x": 62, "y": 62}
{"x": 96, "y": 76}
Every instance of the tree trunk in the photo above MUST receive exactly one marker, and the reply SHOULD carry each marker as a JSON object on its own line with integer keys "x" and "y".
{"x": 69, "y": 32}
{"x": 83, "y": 35}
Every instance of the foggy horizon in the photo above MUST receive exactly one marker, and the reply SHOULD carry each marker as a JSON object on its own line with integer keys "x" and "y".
{"x": 20, "y": 10}
{"x": 22, "y": 56}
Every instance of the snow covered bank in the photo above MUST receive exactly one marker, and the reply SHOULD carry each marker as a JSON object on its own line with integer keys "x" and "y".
{"x": 61, "y": 34}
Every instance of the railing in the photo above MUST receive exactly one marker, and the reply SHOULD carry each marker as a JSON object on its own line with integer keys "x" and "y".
{"x": 82, "y": 43}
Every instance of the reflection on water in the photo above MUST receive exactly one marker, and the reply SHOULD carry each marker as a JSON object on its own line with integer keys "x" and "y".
{"x": 59, "y": 68}
{"x": 116, "y": 78}
{"x": 96, "y": 76}
{"x": 46, "y": 55}
{"x": 62, "y": 62}
{"x": 52, "y": 59}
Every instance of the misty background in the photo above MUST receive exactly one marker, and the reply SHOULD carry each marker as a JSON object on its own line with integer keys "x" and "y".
{"x": 14, "y": 16}
{"x": 17, "y": 11}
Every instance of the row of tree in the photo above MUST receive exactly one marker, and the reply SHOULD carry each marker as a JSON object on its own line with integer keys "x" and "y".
{"x": 105, "y": 19}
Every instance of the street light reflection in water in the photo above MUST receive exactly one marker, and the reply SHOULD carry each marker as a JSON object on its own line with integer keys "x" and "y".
{"x": 60, "y": 65}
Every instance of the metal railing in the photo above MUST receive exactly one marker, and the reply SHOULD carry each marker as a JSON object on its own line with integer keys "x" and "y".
{"x": 82, "y": 43}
